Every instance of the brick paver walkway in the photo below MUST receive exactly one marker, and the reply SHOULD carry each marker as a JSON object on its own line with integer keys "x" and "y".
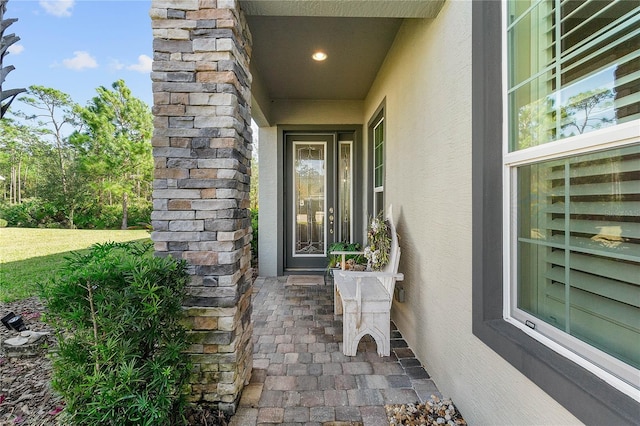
{"x": 300, "y": 375}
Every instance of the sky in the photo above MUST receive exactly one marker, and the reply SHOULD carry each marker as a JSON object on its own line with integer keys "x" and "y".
{"x": 76, "y": 46}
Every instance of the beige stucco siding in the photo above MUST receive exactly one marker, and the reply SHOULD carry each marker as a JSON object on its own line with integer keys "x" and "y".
{"x": 426, "y": 84}
{"x": 293, "y": 111}
{"x": 269, "y": 201}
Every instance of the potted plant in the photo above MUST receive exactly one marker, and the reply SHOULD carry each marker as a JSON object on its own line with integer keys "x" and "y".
{"x": 335, "y": 259}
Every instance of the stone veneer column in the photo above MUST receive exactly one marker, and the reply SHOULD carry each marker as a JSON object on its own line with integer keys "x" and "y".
{"x": 202, "y": 151}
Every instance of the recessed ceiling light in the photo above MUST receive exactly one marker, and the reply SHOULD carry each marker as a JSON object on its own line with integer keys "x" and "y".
{"x": 319, "y": 56}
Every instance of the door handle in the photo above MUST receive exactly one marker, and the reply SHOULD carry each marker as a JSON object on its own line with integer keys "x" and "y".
{"x": 331, "y": 220}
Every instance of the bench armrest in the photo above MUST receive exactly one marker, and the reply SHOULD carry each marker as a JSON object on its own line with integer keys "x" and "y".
{"x": 372, "y": 274}
{"x": 345, "y": 253}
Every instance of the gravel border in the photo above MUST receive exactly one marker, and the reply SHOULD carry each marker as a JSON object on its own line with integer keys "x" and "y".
{"x": 435, "y": 411}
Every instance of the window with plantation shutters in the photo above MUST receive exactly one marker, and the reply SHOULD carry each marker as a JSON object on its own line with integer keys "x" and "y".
{"x": 378, "y": 166}
{"x": 569, "y": 79}
{"x": 578, "y": 233}
{"x": 572, "y": 170}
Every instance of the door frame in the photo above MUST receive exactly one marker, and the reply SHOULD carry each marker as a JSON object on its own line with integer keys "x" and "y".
{"x": 359, "y": 202}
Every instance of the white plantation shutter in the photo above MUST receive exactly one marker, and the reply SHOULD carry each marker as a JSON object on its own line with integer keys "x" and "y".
{"x": 586, "y": 235}
{"x": 597, "y": 52}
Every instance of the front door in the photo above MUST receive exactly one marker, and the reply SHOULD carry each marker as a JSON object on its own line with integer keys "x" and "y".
{"x": 319, "y": 197}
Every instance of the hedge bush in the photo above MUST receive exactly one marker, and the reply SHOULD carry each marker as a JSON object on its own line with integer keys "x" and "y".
{"x": 31, "y": 213}
{"x": 254, "y": 241}
{"x": 117, "y": 314}
{"x": 37, "y": 213}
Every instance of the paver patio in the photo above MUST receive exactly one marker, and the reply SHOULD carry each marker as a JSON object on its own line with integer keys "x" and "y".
{"x": 300, "y": 375}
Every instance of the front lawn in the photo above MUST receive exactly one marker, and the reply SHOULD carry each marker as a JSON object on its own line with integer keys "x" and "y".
{"x": 29, "y": 256}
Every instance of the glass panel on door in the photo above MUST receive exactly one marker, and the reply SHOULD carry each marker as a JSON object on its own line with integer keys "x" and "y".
{"x": 345, "y": 194}
{"x": 310, "y": 182}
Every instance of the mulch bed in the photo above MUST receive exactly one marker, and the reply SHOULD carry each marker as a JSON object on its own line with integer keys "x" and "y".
{"x": 26, "y": 397}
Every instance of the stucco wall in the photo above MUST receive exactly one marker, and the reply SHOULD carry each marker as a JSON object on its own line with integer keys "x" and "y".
{"x": 293, "y": 111}
{"x": 269, "y": 200}
{"x": 426, "y": 80}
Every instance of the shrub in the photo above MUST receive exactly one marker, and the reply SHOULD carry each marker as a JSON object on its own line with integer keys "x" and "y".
{"x": 117, "y": 314}
{"x": 31, "y": 213}
{"x": 3, "y": 223}
{"x": 110, "y": 216}
{"x": 99, "y": 217}
{"x": 254, "y": 241}
{"x": 19, "y": 215}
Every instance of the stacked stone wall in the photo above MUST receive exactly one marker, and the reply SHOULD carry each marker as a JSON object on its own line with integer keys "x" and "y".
{"x": 202, "y": 151}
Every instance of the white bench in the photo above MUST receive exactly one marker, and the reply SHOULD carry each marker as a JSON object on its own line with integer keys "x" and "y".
{"x": 364, "y": 299}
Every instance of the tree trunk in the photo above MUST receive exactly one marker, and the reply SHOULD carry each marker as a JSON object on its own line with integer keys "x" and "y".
{"x": 12, "y": 188}
{"x": 20, "y": 181}
{"x": 125, "y": 212}
{"x": 63, "y": 176}
{"x": 71, "y": 214}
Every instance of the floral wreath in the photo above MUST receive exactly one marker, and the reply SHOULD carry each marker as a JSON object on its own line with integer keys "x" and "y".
{"x": 379, "y": 248}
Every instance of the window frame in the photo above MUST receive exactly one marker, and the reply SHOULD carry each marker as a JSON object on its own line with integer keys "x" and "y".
{"x": 551, "y": 337}
{"x": 611, "y": 137}
{"x": 378, "y": 163}
{"x": 378, "y": 117}
{"x": 585, "y": 395}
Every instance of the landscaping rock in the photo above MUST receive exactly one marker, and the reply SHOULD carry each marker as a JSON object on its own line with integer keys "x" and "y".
{"x": 435, "y": 411}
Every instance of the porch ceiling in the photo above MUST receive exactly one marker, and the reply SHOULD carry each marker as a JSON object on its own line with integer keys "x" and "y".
{"x": 344, "y": 8}
{"x": 356, "y": 48}
{"x": 355, "y": 34}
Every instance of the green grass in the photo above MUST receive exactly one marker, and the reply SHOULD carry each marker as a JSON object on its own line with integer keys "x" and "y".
{"x": 30, "y": 256}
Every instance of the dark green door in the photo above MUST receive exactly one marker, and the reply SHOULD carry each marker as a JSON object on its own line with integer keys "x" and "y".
{"x": 310, "y": 201}
{"x": 321, "y": 204}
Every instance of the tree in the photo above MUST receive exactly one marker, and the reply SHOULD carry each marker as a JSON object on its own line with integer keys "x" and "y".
{"x": 536, "y": 123}
{"x": 116, "y": 146}
{"x": 90, "y": 166}
{"x": 6, "y": 96}
{"x": 581, "y": 108}
{"x": 55, "y": 113}
{"x": 19, "y": 145}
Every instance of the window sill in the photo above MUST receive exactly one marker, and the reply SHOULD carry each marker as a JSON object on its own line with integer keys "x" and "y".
{"x": 585, "y": 395}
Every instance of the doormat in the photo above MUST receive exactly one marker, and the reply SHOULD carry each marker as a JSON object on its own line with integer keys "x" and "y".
{"x": 305, "y": 280}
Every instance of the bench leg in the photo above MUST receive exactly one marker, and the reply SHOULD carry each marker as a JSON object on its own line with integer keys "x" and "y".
{"x": 337, "y": 301}
{"x": 376, "y": 324}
